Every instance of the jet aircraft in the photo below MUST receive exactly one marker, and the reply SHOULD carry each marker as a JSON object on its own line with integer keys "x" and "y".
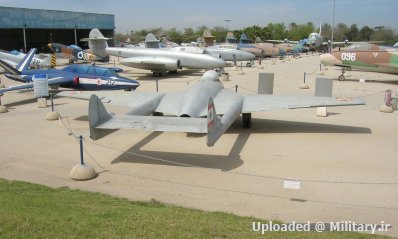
{"x": 71, "y": 52}
{"x": 205, "y": 107}
{"x": 13, "y": 58}
{"x": 225, "y": 52}
{"x": 363, "y": 57}
{"x": 156, "y": 60}
{"x": 82, "y": 77}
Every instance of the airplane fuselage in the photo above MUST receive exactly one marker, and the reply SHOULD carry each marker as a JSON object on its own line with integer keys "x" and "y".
{"x": 188, "y": 60}
{"x": 15, "y": 59}
{"x": 375, "y": 61}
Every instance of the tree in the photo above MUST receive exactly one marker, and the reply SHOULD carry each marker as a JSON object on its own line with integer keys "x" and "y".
{"x": 383, "y": 34}
{"x": 365, "y": 33}
{"x": 353, "y": 34}
{"x": 341, "y": 31}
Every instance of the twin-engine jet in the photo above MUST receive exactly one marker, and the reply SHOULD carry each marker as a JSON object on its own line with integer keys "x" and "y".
{"x": 156, "y": 60}
{"x": 205, "y": 107}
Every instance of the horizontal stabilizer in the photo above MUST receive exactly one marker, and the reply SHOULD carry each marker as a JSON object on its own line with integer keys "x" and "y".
{"x": 97, "y": 115}
{"x": 156, "y": 123}
{"x": 9, "y": 68}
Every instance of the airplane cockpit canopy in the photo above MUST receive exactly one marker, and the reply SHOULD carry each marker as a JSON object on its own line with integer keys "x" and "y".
{"x": 91, "y": 70}
{"x": 75, "y": 47}
{"x": 366, "y": 47}
{"x": 210, "y": 76}
{"x": 313, "y": 35}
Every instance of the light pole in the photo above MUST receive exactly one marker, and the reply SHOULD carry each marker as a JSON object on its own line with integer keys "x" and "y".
{"x": 227, "y": 21}
{"x": 334, "y": 13}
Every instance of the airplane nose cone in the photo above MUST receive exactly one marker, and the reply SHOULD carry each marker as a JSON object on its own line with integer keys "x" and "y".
{"x": 218, "y": 62}
{"x": 248, "y": 56}
{"x": 328, "y": 59}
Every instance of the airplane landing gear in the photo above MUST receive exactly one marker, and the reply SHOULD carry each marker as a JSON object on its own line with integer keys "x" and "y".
{"x": 342, "y": 77}
{"x": 157, "y": 74}
{"x": 247, "y": 120}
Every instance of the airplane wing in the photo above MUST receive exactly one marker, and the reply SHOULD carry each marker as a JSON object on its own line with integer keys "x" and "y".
{"x": 151, "y": 63}
{"x": 282, "y": 41}
{"x": 256, "y": 103}
{"x": 168, "y": 102}
{"x": 52, "y": 81}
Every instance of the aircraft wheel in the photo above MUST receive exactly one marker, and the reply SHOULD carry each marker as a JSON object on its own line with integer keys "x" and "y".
{"x": 341, "y": 78}
{"x": 247, "y": 120}
{"x": 127, "y": 89}
{"x": 248, "y": 64}
{"x": 173, "y": 72}
{"x": 157, "y": 114}
{"x": 157, "y": 74}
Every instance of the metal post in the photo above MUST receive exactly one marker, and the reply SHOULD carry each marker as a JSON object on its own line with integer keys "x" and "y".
{"x": 52, "y": 102}
{"x": 241, "y": 66}
{"x": 236, "y": 88}
{"x": 81, "y": 150}
{"x": 75, "y": 37}
{"x": 320, "y": 67}
{"x": 24, "y": 38}
{"x": 157, "y": 85}
{"x": 304, "y": 77}
{"x": 334, "y": 11}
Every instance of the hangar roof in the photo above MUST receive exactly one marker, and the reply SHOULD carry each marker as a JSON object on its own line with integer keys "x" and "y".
{"x": 38, "y": 18}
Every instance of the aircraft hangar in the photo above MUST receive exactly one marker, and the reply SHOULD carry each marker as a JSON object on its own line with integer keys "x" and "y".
{"x": 23, "y": 28}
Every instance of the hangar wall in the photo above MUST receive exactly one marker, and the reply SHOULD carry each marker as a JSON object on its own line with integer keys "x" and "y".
{"x": 44, "y": 26}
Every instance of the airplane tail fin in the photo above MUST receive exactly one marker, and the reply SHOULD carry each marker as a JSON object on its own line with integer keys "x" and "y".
{"x": 9, "y": 68}
{"x": 97, "y": 115}
{"x": 396, "y": 45}
{"x": 97, "y": 43}
{"x": 216, "y": 126}
{"x": 25, "y": 63}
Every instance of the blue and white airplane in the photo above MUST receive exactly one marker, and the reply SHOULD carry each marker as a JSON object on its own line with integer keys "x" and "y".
{"x": 80, "y": 77}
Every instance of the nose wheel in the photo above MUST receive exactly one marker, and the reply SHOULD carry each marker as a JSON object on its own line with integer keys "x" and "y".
{"x": 342, "y": 77}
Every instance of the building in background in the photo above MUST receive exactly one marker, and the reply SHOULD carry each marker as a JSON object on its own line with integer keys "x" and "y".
{"x": 22, "y": 28}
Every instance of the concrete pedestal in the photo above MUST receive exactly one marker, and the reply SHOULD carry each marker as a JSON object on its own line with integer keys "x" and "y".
{"x": 386, "y": 109}
{"x": 41, "y": 102}
{"x": 82, "y": 172}
{"x": 52, "y": 115}
{"x": 224, "y": 77}
{"x": 321, "y": 112}
{"x": 304, "y": 86}
{"x": 3, "y": 109}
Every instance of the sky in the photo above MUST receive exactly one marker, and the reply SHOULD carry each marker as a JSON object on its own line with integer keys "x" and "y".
{"x": 145, "y": 14}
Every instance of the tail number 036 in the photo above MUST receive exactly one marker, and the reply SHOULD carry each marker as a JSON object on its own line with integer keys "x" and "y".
{"x": 346, "y": 56}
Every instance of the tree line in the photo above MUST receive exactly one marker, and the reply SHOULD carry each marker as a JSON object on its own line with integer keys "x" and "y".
{"x": 272, "y": 31}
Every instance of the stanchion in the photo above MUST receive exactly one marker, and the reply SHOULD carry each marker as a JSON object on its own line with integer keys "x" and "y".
{"x": 52, "y": 115}
{"x": 82, "y": 171}
{"x": 304, "y": 85}
{"x": 3, "y": 109}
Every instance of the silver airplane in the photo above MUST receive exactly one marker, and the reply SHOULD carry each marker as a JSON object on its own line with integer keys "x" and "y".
{"x": 13, "y": 58}
{"x": 156, "y": 60}
{"x": 194, "y": 109}
{"x": 227, "y": 54}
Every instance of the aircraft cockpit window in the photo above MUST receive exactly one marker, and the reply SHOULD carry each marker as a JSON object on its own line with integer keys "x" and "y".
{"x": 91, "y": 71}
{"x": 101, "y": 71}
{"x": 359, "y": 47}
{"x": 82, "y": 70}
